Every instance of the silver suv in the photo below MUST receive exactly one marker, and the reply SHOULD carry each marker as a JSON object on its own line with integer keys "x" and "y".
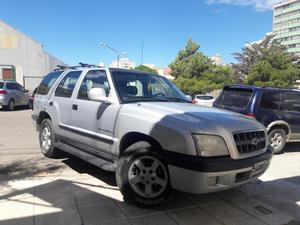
{"x": 145, "y": 129}
{"x": 13, "y": 94}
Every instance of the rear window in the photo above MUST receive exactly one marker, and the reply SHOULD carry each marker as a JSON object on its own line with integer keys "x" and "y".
{"x": 47, "y": 82}
{"x": 237, "y": 98}
{"x": 205, "y": 97}
{"x": 1, "y": 84}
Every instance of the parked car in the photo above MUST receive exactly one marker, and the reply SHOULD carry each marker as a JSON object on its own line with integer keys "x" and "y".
{"x": 142, "y": 126}
{"x": 205, "y": 100}
{"x": 12, "y": 94}
{"x": 277, "y": 108}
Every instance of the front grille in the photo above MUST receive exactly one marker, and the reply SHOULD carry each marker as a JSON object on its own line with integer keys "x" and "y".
{"x": 247, "y": 142}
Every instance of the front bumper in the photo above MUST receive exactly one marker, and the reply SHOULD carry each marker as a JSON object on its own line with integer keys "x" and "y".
{"x": 196, "y": 174}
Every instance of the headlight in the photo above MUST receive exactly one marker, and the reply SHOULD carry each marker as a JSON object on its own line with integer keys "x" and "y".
{"x": 210, "y": 145}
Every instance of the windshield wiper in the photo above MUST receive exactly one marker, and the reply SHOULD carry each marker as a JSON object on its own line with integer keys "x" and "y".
{"x": 178, "y": 99}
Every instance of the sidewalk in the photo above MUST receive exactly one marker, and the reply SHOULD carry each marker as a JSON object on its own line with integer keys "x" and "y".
{"x": 70, "y": 191}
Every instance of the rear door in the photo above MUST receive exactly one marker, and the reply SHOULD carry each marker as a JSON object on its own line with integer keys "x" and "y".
{"x": 292, "y": 112}
{"x": 59, "y": 104}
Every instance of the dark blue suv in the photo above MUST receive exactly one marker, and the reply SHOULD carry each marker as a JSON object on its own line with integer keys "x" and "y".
{"x": 277, "y": 108}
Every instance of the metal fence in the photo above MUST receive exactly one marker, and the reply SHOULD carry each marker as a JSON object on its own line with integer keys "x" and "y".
{"x": 31, "y": 82}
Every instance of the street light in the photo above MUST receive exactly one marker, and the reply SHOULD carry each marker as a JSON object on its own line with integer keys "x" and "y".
{"x": 116, "y": 51}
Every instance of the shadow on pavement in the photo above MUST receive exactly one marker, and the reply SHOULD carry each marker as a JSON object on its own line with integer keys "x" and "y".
{"x": 292, "y": 147}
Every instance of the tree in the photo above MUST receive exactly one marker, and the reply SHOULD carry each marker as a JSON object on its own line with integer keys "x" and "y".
{"x": 190, "y": 62}
{"x": 195, "y": 73}
{"x": 266, "y": 63}
{"x": 145, "y": 69}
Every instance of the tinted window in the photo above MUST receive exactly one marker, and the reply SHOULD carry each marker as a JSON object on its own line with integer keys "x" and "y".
{"x": 47, "y": 82}
{"x": 292, "y": 101}
{"x": 233, "y": 97}
{"x": 11, "y": 86}
{"x": 205, "y": 97}
{"x": 1, "y": 84}
{"x": 93, "y": 79}
{"x": 138, "y": 86}
{"x": 270, "y": 100}
{"x": 20, "y": 88}
{"x": 66, "y": 86}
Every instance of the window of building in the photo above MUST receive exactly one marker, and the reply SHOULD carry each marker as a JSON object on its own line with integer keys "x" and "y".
{"x": 67, "y": 84}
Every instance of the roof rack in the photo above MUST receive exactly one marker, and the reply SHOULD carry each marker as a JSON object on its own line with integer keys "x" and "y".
{"x": 85, "y": 65}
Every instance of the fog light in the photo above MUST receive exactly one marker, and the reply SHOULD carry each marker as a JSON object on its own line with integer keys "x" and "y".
{"x": 211, "y": 181}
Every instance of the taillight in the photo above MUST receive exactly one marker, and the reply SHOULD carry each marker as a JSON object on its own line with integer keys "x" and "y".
{"x": 3, "y": 92}
{"x": 252, "y": 115}
{"x": 194, "y": 102}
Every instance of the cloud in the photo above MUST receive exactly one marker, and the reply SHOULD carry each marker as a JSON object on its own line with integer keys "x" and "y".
{"x": 260, "y": 5}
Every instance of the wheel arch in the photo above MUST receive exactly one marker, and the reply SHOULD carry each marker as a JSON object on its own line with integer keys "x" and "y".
{"x": 281, "y": 125}
{"x": 42, "y": 115}
{"x": 133, "y": 137}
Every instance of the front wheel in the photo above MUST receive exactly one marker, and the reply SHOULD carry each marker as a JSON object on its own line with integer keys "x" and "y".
{"x": 278, "y": 140}
{"x": 142, "y": 175}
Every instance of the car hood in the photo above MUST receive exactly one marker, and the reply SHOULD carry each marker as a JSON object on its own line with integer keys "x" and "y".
{"x": 194, "y": 118}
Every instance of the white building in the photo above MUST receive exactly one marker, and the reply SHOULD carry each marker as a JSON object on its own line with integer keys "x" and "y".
{"x": 297, "y": 84}
{"x": 124, "y": 62}
{"x": 216, "y": 59}
{"x": 23, "y": 59}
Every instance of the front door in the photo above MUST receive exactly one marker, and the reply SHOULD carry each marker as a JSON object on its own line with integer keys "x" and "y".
{"x": 292, "y": 112}
{"x": 87, "y": 122}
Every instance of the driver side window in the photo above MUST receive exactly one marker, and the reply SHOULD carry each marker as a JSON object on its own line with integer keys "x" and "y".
{"x": 93, "y": 79}
{"x": 156, "y": 87}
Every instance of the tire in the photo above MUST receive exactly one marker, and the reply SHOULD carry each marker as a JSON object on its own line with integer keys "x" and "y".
{"x": 278, "y": 140}
{"x": 142, "y": 176}
{"x": 11, "y": 105}
{"x": 47, "y": 139}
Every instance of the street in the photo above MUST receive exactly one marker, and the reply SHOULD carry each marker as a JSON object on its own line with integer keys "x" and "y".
{"x": 37, "y": 190}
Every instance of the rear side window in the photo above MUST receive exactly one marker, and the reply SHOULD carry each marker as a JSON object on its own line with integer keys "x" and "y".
{"x": 47, "y": 82}
{"x": 1, "y": 84}
{"x": 234, "y": 97}
{"x": 270, "y": 100}
{"x": 11, "y": 86}
{"x": 292, "y": 101}
{"x": 67, "y": 84}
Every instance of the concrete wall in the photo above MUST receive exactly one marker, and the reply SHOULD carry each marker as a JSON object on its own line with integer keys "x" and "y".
{"x": 27, "y": 55}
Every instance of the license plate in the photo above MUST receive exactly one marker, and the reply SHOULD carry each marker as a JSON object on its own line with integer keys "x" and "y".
{"x": 259, "y": 167}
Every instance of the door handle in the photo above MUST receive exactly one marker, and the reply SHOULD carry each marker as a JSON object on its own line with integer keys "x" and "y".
{"x": 74, "y": 107}
{"x": 51, "y": 103}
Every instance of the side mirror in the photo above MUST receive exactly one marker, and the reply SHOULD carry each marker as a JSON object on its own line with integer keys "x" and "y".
{"x": 189, "y": 97}
{"x": 26, "y": 91}
{"x": 98, "y": 94}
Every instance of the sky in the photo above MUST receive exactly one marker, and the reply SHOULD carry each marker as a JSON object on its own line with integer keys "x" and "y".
{"x": 72, "y": 30}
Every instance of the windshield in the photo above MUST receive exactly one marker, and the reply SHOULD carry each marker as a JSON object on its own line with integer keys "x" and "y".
{"x": 137, "y": 87}
{"x": 234, "y": 97}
